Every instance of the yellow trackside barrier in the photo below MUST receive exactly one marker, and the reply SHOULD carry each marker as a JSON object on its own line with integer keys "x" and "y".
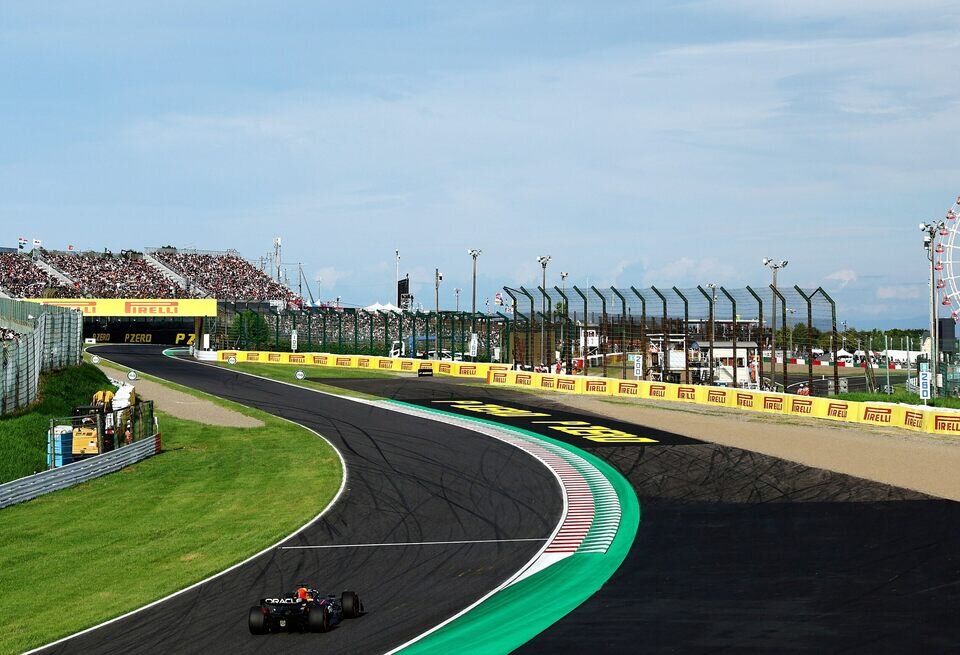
{"x": 597, "y": 385}
{"x": 944, "y": 423}
{"x": 917, "y": 419}
{"x": 883, "y": 414}
{"x": 370, "y": 362}
{"x": 836, "y": 410}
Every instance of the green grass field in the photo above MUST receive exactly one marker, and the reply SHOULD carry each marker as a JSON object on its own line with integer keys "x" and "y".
{"x": 23, "y": 435}
{"x": 121, "y": 541}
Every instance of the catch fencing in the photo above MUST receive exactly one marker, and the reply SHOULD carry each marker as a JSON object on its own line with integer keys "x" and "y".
{"x": 48, "y": 338}
{"x": 764, "y": 337}
{"x": 349, "y": 331}
{"x": 750, "y": 337}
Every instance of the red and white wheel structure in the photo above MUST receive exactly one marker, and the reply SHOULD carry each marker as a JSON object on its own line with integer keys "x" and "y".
{"x": 947, "y": 261}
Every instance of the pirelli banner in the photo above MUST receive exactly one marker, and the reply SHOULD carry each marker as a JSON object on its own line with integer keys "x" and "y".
{"x": 906, "y": 417}
{"x": 399, "y": 365}
{"x": 137, "y": 308}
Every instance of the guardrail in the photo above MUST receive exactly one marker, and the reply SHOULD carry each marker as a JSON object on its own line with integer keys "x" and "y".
{"x": 69, "y": 475}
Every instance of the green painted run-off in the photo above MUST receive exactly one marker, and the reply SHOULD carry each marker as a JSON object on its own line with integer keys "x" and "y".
{"x": 514, "y": 615}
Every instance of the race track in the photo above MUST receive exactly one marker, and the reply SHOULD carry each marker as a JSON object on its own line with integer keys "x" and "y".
{"x": 739, "y": 552}
{"x": 736, "y": 552}
{"x": 409, "y": 480}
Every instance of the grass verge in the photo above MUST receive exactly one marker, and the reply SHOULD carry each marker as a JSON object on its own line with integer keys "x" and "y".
{"x": 23, "y": 435}
{"x": 121, "y": 541}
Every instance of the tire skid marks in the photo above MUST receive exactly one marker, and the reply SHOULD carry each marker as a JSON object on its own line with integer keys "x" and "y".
{"x": 591, "y": 507}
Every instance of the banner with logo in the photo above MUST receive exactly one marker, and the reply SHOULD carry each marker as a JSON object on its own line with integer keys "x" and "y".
{"x": 139, "y": 308}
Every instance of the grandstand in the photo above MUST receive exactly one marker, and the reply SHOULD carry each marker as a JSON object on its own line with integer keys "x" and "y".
{"x": 20, "y": 277}
{"x": 153, "y": 273}
{"x": 224, "y": 275}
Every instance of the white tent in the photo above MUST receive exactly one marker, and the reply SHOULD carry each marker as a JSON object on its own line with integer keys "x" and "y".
{"x": 389, "y": 307}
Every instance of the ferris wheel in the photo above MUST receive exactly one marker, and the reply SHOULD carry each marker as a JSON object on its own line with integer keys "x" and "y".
{"x": 947, "y": 260}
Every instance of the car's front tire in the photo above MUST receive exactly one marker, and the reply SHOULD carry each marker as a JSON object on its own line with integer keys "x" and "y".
{"x": 256, "y": 621}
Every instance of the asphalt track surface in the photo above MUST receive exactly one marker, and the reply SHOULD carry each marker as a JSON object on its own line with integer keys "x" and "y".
{"x": 739, "y": 552}
{"x": 409, "y": 480}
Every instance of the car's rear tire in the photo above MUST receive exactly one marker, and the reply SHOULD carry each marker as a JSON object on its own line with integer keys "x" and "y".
{"x": 317, "y": 620}
{"x": 256, "y": 621}
{"x": 352, "y": 607}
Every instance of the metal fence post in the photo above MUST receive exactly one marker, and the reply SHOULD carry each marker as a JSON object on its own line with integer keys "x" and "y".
{"x": 531, "y": 326}
{"x": 623, "y": 330}
{"x": 833, "y": 341}
{"x": 711, "y": 318}
{"x": 665, "y": 342}
{"x": 773, "y": 355}
{"x": 809, "y": 302}
{"x": 584, "y": 350}
{"x": 644, "y": 349}
{"x": 686, "y": 335}
{"x": 547, "y": 302}
{"x": 733, "y": 316}
{"x": 356, "y": 330}
{"x": 603, "y": 328}
{"x": 565, "y": 343}
{"x": 339, "y": 331}
{"x": 759, "y": 337}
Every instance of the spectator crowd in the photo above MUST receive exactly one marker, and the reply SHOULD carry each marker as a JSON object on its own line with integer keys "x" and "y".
{"x": 21, "y": 278}
{"x": 115, "y": 276}
{"x": 226, "y": 276}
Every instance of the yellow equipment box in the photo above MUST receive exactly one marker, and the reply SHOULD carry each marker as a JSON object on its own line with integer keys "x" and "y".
{"x": 85, "y": 441}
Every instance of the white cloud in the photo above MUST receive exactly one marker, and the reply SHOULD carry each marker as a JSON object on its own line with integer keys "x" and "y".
{"x": 900, "y": 292}
{"x": 328, "y": 279}
{"x": 687, "y": 271}
{"x": 844, "y": 277}
{"x": 860, "y": 10}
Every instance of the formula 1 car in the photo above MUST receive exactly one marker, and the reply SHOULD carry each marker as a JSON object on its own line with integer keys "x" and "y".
{"x": 305, "y": 610}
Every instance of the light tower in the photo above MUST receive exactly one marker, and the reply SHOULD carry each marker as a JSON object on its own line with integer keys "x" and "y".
{"x": 775, "y": 268}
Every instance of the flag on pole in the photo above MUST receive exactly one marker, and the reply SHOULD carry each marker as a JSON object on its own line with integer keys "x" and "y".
{"x": 21, "y": 242}
{"x": 36, "y": 243}
{"x": 70, "y": 248}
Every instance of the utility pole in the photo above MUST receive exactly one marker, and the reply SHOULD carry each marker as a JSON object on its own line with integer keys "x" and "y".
{"x": 456, "y": 292}
{"x": 474, "y": 253}
{"x": 713, "y": 314}
{"x": 930, "y": 231}
{"x": 396, "y": 279}
{"x": 566, "y": 316}
{"x": 774, "y": 267}
{"x": 277, "y": 246}
{"x": 543, "y": 261}
{"x": 886, "y": 356}
{"x": 437, "y": 277}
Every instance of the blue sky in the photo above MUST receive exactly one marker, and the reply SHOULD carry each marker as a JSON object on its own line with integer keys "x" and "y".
{"x": 667, "y": 143}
